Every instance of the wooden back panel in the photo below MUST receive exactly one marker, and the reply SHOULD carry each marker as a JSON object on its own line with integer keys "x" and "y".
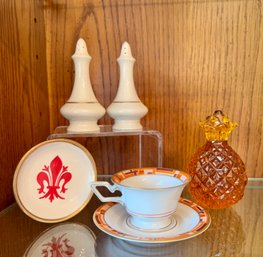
{"x": 192, "y": 57}
{"x": 24, "y": 104}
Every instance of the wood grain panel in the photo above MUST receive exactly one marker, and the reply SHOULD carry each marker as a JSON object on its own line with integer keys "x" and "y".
{"x": 24, "y": 112}
{"x": 193, "y": 57}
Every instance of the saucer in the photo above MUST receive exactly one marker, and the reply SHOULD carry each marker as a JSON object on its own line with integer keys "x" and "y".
{"x": 51, "y": 182}
{"x": 68, "y": 239}
{"x": 191, "y": 220}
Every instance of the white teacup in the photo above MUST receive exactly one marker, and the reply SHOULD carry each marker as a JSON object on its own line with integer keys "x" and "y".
{"x": 150, "y": 195}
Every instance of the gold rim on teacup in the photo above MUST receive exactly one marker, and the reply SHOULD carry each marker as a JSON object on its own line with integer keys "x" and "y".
{"x": 118, "y": 177}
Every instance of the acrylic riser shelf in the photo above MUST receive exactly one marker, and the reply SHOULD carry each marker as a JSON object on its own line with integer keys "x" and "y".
{"x": 118, "y": 150}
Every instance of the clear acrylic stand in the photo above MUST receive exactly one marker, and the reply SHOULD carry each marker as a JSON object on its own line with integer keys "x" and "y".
{"x": 150, "y": 142}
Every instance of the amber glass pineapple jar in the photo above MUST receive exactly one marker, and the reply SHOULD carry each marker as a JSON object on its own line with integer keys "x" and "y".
{"x": 218, "y": 173}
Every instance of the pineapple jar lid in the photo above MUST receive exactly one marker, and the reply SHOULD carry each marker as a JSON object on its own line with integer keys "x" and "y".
{"x": 217, "y": 127}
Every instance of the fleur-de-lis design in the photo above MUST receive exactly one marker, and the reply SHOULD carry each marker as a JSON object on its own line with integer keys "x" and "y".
{"x": 58, "y": 248}
{"x": 52, "y": 178}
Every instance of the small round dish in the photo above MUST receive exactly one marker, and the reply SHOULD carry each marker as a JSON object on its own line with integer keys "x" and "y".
{"x": 51, "y": 181}
{"x": 68, "y": 239}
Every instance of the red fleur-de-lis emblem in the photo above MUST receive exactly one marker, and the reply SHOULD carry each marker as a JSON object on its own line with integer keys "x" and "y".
{"x": 58, "y": 248}
{"x": 52, "y": 178}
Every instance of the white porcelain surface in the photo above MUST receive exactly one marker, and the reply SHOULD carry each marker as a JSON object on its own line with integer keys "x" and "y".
{"x": 82, "y": 90}
{"x": 127, "y": 115}
{"x": 127, "y": 108}
{"x": 156, "y": 181}
{"x": 83, "y": 117}
{"x": 51, "y": 182}
{"x": 82, "y": 108}
{"x": 113, "y": 221}
{"x": 69, "y": 239}
{"x": 126, "y": 90}
{"x": 150, "y": 198}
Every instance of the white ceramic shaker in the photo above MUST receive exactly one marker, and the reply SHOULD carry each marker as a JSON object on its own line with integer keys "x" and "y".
{"x": 82, "y": 108}
{"x": 127, "y": 108}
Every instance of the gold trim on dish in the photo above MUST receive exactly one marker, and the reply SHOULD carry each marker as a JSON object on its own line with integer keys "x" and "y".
{"x": 18, "y": 200}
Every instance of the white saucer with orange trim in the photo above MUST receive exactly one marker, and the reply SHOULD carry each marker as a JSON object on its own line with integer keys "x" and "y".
{"x": 51, "y": 182}
{"x": 191, "y": 220}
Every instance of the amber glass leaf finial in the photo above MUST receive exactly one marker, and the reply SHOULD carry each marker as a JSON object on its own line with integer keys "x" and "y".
{"x": 217, "y": 127}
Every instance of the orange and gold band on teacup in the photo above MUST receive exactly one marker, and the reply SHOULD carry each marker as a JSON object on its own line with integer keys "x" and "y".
{"x": 121, "y": 175}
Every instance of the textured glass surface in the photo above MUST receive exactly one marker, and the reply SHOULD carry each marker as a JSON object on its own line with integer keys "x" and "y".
{"x": 217, "y": 127}
{"x": 218, "y": 175}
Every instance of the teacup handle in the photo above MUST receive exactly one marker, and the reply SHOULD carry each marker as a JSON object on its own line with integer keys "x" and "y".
{"x": 111, "y": 188}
